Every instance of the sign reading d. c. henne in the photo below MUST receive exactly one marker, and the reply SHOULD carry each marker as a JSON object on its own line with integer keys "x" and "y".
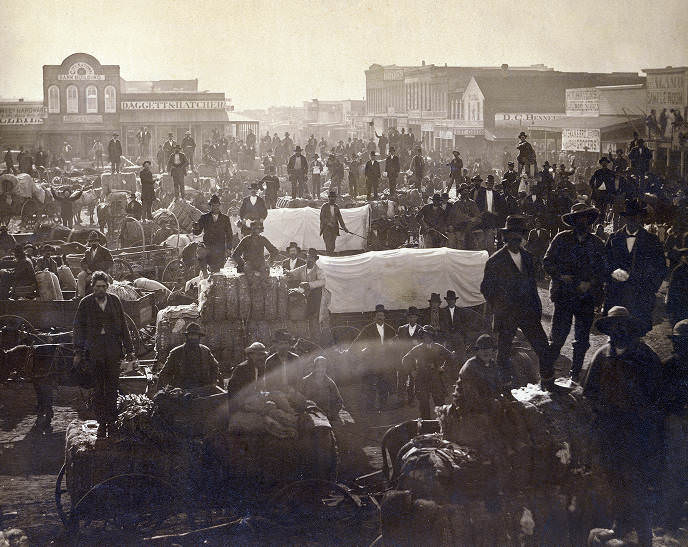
{"x": 176, "y": 105}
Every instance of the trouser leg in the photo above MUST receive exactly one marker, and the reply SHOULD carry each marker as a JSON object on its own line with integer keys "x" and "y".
{"x": 392, "y": 185}
{"x": 561, "y": 326}
{"x": 106, "y": 387}
{"x": 505, "y": 338}
{"x": 293, "y": 188}
{"x": 535, "y": 334}
{"x": 584, "y": 317}
{"x": 423, "y": 397}
{"x": 369, "y": 188}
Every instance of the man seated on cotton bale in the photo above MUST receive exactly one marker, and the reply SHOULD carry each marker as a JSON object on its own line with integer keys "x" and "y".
{"x": 249, "y": 255}
{"x": 96, "y": 258}
{"x": 321, "y": 389}
{"x": 311, "y": 279}
{"x": 191, "y": 366}
{"x": 248, "y": 377}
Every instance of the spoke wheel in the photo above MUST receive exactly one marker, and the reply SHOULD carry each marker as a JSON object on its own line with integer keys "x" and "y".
{"x": 121, "y": 270}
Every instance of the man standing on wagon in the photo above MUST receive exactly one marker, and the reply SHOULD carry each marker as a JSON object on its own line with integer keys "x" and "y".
{"x": 101, "y": 337}
{"x": 217, "y": 234}
{"x": 115, "y": 153}
{"x": 330, "y": 222}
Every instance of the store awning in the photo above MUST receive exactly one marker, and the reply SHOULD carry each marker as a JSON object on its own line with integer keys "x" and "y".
{"x": 603, "y": 123}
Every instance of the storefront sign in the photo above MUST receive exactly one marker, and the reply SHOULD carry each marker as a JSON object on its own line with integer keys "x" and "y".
{"x": 81, "y": 71}
{"x": 583, "y": 101}
{"x": 524, "y": 119}
{"x": 176, "y": 105}
{"x": 666, "y": 90}
{"x": 580, "y": 140}
{"x": 82, "y": 118}
{"x": 469, "y": 131}
{"x": 426, "y": 127}
{"x": 21, "y": 114}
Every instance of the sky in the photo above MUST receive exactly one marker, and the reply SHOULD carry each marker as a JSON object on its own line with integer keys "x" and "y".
{"x": 263, "y": 53}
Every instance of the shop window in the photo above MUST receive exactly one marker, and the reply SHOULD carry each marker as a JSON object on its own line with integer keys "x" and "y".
{"x": 54, "y": 99}
{"x": 110, "y": 99}
{"x": 91, "y": 99}
{"x": 72, "y": 99}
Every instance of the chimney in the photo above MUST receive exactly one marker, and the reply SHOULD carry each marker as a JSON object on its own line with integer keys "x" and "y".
{"x": 422, "y": 63}
{"x": 21, "y": 99}
{"x": 505, "y": 66}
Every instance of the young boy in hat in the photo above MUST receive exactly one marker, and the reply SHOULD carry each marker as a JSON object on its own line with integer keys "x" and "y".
{"x": 217, "y": 234}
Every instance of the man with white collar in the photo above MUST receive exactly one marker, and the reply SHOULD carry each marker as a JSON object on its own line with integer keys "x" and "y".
{"x": 330, "y": 222}
{"x": 217, "y": 234}
{"x": 252, "y": 208}
{"x": 294, "y": 261}
{"x": 453, "y": 327}
{"x": 637, "y": 267}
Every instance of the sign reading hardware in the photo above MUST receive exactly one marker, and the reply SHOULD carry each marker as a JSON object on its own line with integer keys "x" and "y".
{"x": 22, "y": 114}
{"x": 176, "y": 105}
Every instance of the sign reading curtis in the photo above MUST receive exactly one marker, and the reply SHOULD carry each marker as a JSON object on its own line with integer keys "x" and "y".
{"x": 80, "y": 71}
{"x": 176, "y": 105}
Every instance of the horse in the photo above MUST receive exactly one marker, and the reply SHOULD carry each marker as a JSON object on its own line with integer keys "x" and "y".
{"x": 397, "y": 437}
{"x": 89, "y": 200}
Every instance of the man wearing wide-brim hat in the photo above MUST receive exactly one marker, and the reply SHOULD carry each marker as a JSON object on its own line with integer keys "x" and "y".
{"x": 510, "y": 288}
{"x": 455, "y": 169}
{"x": 623, "y": 384}
{"x": 216, "y": 228}
{"x": 677, "y": 294}
{"x": 248, "y": 377}
{"x": 297, "y": 170}
{"x": 252, "y": 208}
{"x": 635, "y": 260}
{"x": 249, "y": 255}
{"x": 674, "y": 402}
{"x": 575, "y": 261}
{"x": 526, "y": 155}
{"x": 191, "y": 366}
{"x": 294, "y": 261}
{"x": 115, "y": 152}
{"x": 330, "y": 221}
{"x": 462, "y": 219}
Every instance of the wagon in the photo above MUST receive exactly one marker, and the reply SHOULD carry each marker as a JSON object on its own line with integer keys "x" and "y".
{"x": 134, "y": 486}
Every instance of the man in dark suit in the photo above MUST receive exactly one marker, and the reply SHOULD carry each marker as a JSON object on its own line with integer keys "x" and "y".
{"x": 455, "y": 169}
{"x": 217, "y": 234}
{"x": 510, "y": 179}
{"x": 393, "y": 167}
{"x": 294, "y": 260}
{"x": 252, "y": 208}
{"x": 491, "y": 204}
{"x": 114, "y": 152}
{"x": 603, "y": 185}
{"x": 372, "y": 175}
{"x": 330, "y": 222}
{"x": 538, "y": 241}
{"x": 297, "y": 170}
{"x": 96, "y": 258}
{"x": 191, "y": 366}
{"x": 409, "y": 334}
{"x": 375, "y": 341}
{"x": 101, "y": 337}
{"x": 640, "y": 156}
{"x": 636, "y": 264}
{"x": 283, "y": 369}
{"x": 176, "y": 167}
{"x": 248, "y": 377}
{"x": 510, "y": 288}
{"x": 453, "y": 327}
{"x": 526, "y": 155}
{"x": 417, "y": 166}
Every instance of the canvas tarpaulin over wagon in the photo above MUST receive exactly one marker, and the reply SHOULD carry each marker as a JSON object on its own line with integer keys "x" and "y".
{"x": 302, "y": 225}
{"x": 400, "y": 278}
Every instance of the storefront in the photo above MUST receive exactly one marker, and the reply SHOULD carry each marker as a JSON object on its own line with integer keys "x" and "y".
{"x": 20, "y": 124}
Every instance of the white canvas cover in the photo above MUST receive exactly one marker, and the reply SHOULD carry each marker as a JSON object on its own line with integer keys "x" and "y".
{"x": 400, "y": 278}
{"x": 302, "y": 225}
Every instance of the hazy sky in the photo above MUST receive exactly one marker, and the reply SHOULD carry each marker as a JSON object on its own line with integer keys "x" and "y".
{"x": 283, "y": 52}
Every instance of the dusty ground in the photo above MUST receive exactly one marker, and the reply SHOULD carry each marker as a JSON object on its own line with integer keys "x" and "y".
{"x": 29, "y": 463}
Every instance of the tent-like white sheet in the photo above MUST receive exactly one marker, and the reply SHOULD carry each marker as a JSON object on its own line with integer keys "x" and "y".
{"x": 302, "y": 225}
{"x": 400, "y": 278}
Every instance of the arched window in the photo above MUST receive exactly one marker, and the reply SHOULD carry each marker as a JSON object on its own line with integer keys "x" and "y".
{"x": 72, "y": 100}
{"x": 110, "y": 99}
{"x": 54, "y": 99}
{"x": 91, "y": 99}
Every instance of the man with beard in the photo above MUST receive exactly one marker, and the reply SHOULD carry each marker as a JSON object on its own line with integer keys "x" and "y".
{"x": 249, "y": 255}
{"x": 330, "y": 222}
{"x": 623, "y": 384}
{"x": 217, "y": 234}
{"x": 603, "y": 185}
{"x": 575, "y": 261}
{"x": 248, "y": 377}
{"x": 101, "y": 337}
{"x": 637, "y": 267}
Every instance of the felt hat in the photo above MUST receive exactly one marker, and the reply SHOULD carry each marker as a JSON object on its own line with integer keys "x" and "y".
{"x": 332, "y": 193}
{"x": 635, "y": 207}
{"x": 297, "y": 149}
{"x": 485, "y": 341}
{"x": 412, "y": 311}
{"x": 293, "y": 245}
{"x": 194, "y": 328}
{"x": 680, "y": 330}
{"x": 379, "y": 307}
{"x": 93, "y": 236}
{"x": 604, "y": 159}
{"x": 313, "y": 253}
{"x": 436, "y": 197}
{"x": 434, "y": 297}
{"x": 256, "y": 347}
{"x": 477, "y": 178}
{"x": 451, "y": 295}
{"x": 546, "y": 164}
{"x": 456, "y": 152}
{"x": 522, "y": 134}
{"x": 490, "y": 178}
{"x": 515, "y": 223}
{"x": 615, "y": 315}
{"x": 580, "y": 210}
{"x": 254, "y": 186}
{"x": 282, "y": 335}
{"x": 214, "y": 199}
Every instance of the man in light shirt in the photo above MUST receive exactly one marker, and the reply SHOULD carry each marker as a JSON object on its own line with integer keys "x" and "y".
{"x": 294, "y": 260}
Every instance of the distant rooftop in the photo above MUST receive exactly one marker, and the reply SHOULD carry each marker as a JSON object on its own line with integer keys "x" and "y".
{"x": 159, "y": 86}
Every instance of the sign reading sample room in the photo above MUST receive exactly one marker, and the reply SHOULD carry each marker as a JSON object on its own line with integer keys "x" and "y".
{"x": 666, "y": 90}
{"x": 82, "y": 118}
{"x": 580, "y": 140}
{"x": 176, "y": 105}
{"x": 524, "y": 119}
{"x": 583, "y": 101}
{"x": 22, "y": 114}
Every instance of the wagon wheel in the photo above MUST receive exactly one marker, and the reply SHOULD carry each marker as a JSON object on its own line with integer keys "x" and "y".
{"x": 139, "y": 346}
{"x": 60, "y": 491}
{"x": 314, "y": 504}
{"x": 29, "y": 213}
{"x": 121, "y": 270}
{"x": 173, "y": 271}
{"x": 132, "y": 504}
{"x": 17, "y": 322}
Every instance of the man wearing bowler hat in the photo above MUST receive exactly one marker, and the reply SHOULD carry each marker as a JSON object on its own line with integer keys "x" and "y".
{"x": 252, "y": 208}
{"x": 294, "y": 261}
{"x": 297, "y": 170}
{"x": 623, "y": 384}
{"x": 510, "y": 288}
{"x": 636, "y": 264}
{"x": 330, "y": 222}
{"x": 191, "y": 366}
{"x": 526, "y": 155}
{"x": 453, "y": 327}
{"x": 176, "y": 167}
{"x": 217, "y": 234}
{"x": 115, "y": 153}
{"x": 455, "y": 169}
{"x": 575, "y": 262}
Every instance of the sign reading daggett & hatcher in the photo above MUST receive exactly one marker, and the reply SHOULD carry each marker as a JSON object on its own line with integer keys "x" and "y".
{"x": 176, "y": 105}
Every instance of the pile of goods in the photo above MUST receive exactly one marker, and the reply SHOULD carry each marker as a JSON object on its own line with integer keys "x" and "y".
{"x": 24, "y": 187}
{"x": 123, "y": 290}
{"x": 274, "y": 413}
{"x": 118, "y": 182}
{"x": 48, "y": 286}
{"x": 170, "y": 325}
{"x": 237, "y": 310}
{"x": 186, "y": 214}
{"x": 513, "y": 469}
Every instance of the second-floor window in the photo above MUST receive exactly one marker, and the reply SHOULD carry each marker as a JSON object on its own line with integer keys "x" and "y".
{"x": 53, "y": 99}
{"x": 91, "y": 99}
{"x": 72, "y": 99}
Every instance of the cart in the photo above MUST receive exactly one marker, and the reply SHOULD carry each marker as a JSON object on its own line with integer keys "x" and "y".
{"x": 131, "y": 262}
